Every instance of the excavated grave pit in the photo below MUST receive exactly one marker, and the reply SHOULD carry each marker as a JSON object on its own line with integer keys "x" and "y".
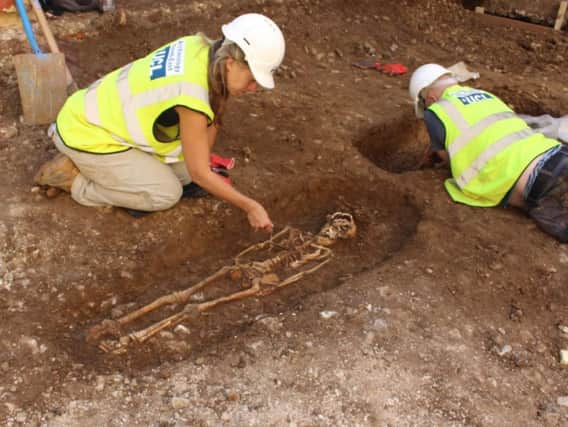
{"x": 385, "y": 219}
{"x": 395, "y": 146}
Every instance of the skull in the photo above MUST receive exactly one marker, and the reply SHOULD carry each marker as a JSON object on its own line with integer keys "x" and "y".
{"x": 339, "y": 225}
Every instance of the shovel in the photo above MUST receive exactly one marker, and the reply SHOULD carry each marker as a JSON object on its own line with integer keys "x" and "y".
{"x": 41, "y": 78}
{"x": 71, "y": 85}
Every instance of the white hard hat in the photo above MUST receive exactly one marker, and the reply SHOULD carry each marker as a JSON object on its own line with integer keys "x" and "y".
{"x": 423, "y": 77}
{"x": 262, "y": 43}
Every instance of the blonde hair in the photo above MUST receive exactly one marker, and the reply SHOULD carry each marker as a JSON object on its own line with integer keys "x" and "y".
{"x": 217, "y": 73}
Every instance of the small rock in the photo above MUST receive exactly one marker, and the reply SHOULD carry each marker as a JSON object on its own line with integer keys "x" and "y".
{"x": 31, "y": 344}
{"x": 180, "y": 403}
{"x": 505, "y": 350}
{"x": 328, "y": 314}
{"x": 182, "y": 330}
{"x": 562, "y": 401}
{"x": 564, "y": 357}
{"x": 126, "y": 275}
{"x": 100, "y": 384}
{"x": 8, "y": 132}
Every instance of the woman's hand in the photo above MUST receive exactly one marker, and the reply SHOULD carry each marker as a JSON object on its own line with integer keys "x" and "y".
{"x": 258, "y": 218}
{"x": 196, "y": 140}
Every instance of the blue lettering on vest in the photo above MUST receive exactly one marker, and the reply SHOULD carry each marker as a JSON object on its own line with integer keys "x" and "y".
{"x": 158, "y": 63}
{"x": 474, "y": 98}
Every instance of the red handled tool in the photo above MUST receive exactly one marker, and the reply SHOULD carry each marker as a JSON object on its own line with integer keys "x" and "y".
{"x": 391, "y": 69}
{"x": 221, "y": 166}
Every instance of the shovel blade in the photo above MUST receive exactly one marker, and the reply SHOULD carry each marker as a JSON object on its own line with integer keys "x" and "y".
{"x": 42, "y": 86}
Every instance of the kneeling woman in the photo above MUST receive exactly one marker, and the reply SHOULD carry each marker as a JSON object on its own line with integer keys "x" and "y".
{"x": 136, "y": 136}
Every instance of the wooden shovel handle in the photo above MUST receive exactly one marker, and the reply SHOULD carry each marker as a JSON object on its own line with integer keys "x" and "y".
{"x": 71, "y": 85}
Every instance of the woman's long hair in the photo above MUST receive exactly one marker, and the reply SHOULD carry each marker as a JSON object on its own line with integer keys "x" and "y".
{"x": 221, "y": 50}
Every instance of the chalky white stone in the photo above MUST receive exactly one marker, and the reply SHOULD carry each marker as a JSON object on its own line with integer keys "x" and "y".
{"x": 564, "y": 357}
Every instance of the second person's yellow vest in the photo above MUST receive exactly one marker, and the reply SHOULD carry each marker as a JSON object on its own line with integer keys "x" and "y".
{"x": 488, "y": 144}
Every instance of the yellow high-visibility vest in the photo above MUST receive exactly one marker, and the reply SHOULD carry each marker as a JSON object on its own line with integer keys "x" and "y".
{"x": 121, "y": 110}
{"x": 489, "y": 146}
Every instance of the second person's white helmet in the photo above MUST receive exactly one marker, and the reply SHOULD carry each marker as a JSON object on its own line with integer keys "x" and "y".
{"x": 423, "y": 77}
{"x": 262, "y": 43}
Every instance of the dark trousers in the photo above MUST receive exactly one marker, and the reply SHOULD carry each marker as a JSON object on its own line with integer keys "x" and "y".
{"x": 547, "y": 203}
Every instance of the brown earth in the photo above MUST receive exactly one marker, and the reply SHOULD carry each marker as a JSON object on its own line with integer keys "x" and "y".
{"x": 541, "y": 11}
{"x": 437, "y": 314}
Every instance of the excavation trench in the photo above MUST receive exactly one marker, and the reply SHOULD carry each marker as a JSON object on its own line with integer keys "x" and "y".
{"x": 209, "y": 234}
{"x": 385, "y": 219}
{"x": 395, "y": 146}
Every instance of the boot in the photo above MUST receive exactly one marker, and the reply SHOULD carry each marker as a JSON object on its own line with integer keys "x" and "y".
{"x": 59, "y": 172}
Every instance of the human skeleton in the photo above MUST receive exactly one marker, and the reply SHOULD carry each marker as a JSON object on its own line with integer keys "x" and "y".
{"x": 294, "y": 250}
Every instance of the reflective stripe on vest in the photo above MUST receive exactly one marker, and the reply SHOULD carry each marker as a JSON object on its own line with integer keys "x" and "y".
{"x": 131, "y": 103}
{"x": 91, "y": 104}
{"x": 469, "y": 133}
{"x": 490, "y": 152}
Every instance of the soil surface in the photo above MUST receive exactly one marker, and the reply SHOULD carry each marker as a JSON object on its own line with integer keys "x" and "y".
{"x": 435, "y": 314}
{"x": 541, "y": 11}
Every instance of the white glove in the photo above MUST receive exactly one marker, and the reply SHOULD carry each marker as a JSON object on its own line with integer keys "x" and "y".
{"x": 549, "y": 126}
{"x": 563, "y": 129}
